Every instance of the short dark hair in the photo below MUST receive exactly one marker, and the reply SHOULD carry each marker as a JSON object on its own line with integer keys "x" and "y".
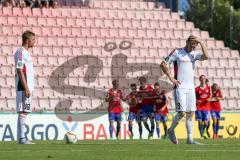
{"x": 133, "y": 85}
{"x": 114, "y": 81}
{"x": 26, "y": 35}
{"x": 202, "y": 75}
{"x": 142, "y": 78}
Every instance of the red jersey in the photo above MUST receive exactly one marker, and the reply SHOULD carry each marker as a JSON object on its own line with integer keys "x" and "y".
{"x": 115, "y": 104}
{"x": 215, "y": 105}
{"x": 146, "y": 94}
{"x": 131, "y": 97}
{"x": 202, "y": 95}
{"x": 160, "y": 100}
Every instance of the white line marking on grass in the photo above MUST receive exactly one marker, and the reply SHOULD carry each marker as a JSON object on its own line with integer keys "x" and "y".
{"x": 212, "y": 150}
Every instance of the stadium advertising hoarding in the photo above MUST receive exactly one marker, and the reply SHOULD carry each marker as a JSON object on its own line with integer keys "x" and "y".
{"x": 50, "y": 127}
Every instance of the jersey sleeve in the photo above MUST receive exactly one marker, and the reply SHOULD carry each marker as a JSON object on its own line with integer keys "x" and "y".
{"x": 171, "y": 57}
{"x": 20, "y": 59}
{"x": 198, "y": 56}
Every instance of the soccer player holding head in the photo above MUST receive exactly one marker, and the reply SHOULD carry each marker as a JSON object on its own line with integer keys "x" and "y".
{"x": 24, "y": 83}
{"x": 202, "y": 113}
{"x": 132, "y": 100}
{"x": 146, "y": 95}
{"x": 216, "y": 108}
{"x": 114, "y": 97}
{"x": 185, "y": 99}
{"x": 161, "y": 101}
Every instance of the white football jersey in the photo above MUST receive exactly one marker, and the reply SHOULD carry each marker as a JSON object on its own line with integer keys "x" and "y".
{"x": 23, "y": 61}
{"x": 184, "y": 64}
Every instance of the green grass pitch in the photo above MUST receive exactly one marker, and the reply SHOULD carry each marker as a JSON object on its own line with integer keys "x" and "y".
{"x": 227, "y": 149}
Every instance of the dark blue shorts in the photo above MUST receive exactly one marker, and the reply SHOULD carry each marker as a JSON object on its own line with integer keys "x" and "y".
{"x": 114, "y": 116}
{"x": 202, "y": 115}
{"x": 133, "y": 116}
{"x": 160, "y": 117}
{"x": 216, "y": 114}
{"x": 146, "y": 112}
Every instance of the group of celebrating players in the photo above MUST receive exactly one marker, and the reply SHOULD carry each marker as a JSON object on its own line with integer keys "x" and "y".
{"x": 145, "y": 103}
{"x": 151, "y": 103}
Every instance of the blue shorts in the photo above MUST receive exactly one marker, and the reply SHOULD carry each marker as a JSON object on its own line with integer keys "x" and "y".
{"x": 216, "y": 114}
{"x": 160, "y": 117}
{"x": 202, "y": 115}
{"x": 114, "y": 116}
{"x": 133, "y": 116}
{"x": 146, "y": 112}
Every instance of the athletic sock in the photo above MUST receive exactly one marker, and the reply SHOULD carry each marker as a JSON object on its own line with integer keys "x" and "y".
{"x": 152, "y": 127}
{"x": 200, "y": 127}
{"x": 158, "y": 132}
{"x": 175, "y": 121}
{"x": 217, "y": 128}
{"x": 189, "y": 126}
{"x": 111, "y": 130}
{"x": 21, "y": 126}
{"x": 147, "y": 127}
{"x": 140, "y": 130}
{"x": 130, "y": 129}
{"x": 118, "y": 129}
{"x": 214, "y": 129}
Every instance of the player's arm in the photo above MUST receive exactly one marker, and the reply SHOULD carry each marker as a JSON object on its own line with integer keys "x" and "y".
{"x": 219, "y": 98}
{"x": 167, "y": 102}
{"x": 107, "y": 97}
{"x": 164, "y": 66}
{"x": 204, "y": 51}
{"x": 23, "y": 82}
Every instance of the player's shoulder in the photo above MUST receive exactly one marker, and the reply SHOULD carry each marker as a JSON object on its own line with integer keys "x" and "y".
{"x": 175, "y": 51}
{"x": 197, "y": 88}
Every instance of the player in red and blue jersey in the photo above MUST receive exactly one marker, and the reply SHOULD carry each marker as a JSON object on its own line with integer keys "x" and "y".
{"x": 216, "y": 96}
{"x": 202, "y": 104}
{"x": 115, "y": 110}
{"x": 132, "y": 100}
{"x": 146, "y": 102}
{"x": 160, "y": 101}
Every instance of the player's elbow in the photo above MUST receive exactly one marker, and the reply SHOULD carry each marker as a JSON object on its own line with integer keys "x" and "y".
{"x": 163, "y": 65}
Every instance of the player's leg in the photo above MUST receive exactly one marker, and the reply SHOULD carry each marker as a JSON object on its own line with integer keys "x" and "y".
{"x": 130, "y": 124}
{"x": 118, "y": 119}
{"x": 157, "y": 120}
{"x": 111, "y": 118}
{"x": 214, "y": 119}
{"x": 151, "y": 118}
{"x": 218, "y": 122}
{"x": 205, "y": 119}
{"x": 180, "y": 103}
{"x": 207, "y": 129}
{"x": 163, "y": 119}
{"x": 23, "y": 108}
{"x": 139, "y": 122}
{"x": 144, "y": 118}
{"x": 191, "y": 109}
{"x": 198, "y": 115}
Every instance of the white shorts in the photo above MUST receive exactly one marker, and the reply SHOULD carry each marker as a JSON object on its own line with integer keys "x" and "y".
{"x": 185, "y": 100}
{"x": 24, "y": 104}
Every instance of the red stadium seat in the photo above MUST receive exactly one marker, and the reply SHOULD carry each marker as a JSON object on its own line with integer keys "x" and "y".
{"x": 7, "y": 11}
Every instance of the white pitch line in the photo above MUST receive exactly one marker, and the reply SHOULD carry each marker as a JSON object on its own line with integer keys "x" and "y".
{"x": 212, "y": 150}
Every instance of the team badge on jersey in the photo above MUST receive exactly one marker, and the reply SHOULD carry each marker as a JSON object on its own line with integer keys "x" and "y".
{"x": 19, "y": 64}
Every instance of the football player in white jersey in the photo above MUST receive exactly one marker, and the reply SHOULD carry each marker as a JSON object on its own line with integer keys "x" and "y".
{"x": 185, "y": 100}
{"x": 24, "y": 83}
